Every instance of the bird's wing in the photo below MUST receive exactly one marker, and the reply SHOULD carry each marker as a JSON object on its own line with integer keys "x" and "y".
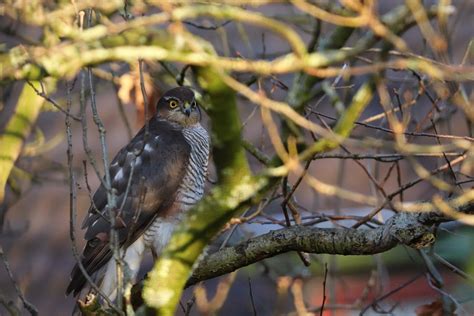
{"x": 157, "y": 161}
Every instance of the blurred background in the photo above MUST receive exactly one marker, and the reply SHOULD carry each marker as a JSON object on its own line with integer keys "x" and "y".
{"x": 35, "y": 216}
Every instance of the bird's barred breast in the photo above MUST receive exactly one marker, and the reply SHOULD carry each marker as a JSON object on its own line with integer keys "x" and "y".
{"x": 190, "y": 191}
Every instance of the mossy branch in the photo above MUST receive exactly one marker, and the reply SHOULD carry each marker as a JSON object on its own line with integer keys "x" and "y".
{"x": 410, "y": 229}
{"x": 17, "y": 130}
{"x": 97, "y": 47}
{"x": 34, "y": 63}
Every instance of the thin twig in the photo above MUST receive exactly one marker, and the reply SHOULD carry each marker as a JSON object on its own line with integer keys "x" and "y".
{"x": 207, "y": 28}
{"x": 72, "y": 205}
{"x": 121, "y": 111}
{"x": 324, "y": 289}
{"x": 453, "y": 268}
{"x": 387, "y": 130}
{"x": 406, "y": 186}
{"x": 111, "y": 197}
{"x": 28, "y": 306}
{"x": 390, "y": 293}
{"x": 252, "y": 301}
{"x": 50, "y": 100}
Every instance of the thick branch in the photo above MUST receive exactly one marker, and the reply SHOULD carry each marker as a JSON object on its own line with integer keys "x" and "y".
{"x": 410, "y": 229}
{"x": 17, "y": 130}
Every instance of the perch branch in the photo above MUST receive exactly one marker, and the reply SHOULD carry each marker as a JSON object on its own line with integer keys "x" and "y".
{"x": 410, "y": 229}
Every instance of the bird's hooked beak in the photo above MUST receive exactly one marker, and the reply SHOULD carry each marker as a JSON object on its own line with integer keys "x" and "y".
{"x": 187, "y": 109}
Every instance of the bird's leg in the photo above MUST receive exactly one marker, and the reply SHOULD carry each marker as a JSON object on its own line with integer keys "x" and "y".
{"x": 132, "y": 260}
{"x": 154, "y": 254}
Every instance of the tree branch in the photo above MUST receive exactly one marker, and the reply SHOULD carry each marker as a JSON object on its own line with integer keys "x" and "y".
{"x": 94, "y": 47}
{"x": 410, "y": 229}
{"x": 17, "y": 130}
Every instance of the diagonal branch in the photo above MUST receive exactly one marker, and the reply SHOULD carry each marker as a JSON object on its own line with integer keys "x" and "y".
{"x": 17, "y": 130}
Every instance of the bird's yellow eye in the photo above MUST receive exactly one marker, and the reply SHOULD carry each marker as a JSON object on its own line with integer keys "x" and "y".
{"x": 173, "y": 104}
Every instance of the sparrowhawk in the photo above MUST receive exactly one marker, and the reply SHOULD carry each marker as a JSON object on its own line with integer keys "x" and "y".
{"x": 157, "y": 177}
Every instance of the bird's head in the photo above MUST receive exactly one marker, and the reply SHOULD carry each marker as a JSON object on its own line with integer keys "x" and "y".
{"x": 179, "y": 106}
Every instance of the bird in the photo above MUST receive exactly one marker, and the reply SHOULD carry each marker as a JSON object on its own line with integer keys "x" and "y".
{"x": 157, "y": 177}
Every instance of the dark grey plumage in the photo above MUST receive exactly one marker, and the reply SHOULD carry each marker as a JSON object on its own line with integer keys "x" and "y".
{"x": 169, "y": 168}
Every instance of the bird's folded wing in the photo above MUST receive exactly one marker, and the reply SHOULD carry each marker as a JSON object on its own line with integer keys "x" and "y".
{"x": 145, "y": 176}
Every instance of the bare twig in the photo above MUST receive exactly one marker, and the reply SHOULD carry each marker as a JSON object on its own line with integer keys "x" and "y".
{"x": 252, "y": 301}
{"x": 28, "y": 306}
{"x": 72, "y": 205}
{"x": 324, "y": 289}
{"x": 111, "y": 197}
{"x": 395, "y": 290}
{"x": 387, "y": 130}
{"x": 43, "y": 94}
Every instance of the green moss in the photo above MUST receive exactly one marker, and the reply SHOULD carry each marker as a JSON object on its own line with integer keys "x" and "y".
{"x": 17, "y": 129}
{"x": 229, "y": 157}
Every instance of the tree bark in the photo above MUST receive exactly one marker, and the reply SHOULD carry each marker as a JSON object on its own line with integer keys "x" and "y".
{"x": 410, "y": 229}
